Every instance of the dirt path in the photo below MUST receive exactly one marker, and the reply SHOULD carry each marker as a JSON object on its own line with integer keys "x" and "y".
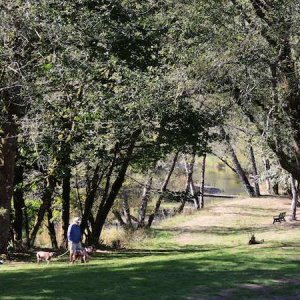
{"x": 232, "y": 222}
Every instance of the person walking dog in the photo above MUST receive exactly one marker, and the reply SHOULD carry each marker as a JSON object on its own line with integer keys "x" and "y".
{"x": 74, "y": 238}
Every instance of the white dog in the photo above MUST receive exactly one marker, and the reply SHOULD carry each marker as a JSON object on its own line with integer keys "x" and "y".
{"x": 44, "y": 255}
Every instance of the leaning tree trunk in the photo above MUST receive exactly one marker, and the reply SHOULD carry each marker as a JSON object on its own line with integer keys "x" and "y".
{"x": 254, "y": 170}
{"x": 295, "y": 193}
{"x": 108, "y": 201}
{"x": 202, "y": 181}
{"x": 91, "y": 193}
{"x": 107, "y": 204}
{"x": 239, "y": 170}
{"x": 46, "y": 204}
{"x": 163, "y": 190}
{"x": 241, "y": 173}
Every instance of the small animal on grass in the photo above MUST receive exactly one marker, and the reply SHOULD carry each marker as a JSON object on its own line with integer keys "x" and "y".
{"x": 44, "y": 255}
{"x": 254, "y": 241}
{"x": 80, "y": 254}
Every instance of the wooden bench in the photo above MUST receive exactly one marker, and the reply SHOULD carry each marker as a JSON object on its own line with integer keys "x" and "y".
{"x": 279, "y": 218}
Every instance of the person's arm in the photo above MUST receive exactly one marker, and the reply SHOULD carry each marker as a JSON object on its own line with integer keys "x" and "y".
{"x": 69, "y": 234}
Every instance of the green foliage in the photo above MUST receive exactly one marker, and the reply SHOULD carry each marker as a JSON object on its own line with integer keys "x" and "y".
{"x": 252, "y": 54}
{"x": 88, "y": 79}
{"x": 32, "y": 207}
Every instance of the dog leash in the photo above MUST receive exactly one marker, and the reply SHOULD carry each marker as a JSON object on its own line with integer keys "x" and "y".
{"x": 62, "y": 254}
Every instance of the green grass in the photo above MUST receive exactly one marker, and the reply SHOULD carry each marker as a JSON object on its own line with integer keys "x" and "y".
{"x": 165, "y": 266}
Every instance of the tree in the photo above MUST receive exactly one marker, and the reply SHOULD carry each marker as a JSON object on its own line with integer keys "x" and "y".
{"x": 82, "y": 67}
{"x": 295, "y": 198}
{"x": 248, "y": 51}
{"x": 17, "y": 64}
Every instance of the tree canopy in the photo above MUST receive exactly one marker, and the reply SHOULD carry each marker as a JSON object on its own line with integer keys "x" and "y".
{"x": 92, "y": 89}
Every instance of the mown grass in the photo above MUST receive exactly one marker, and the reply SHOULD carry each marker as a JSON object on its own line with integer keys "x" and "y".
{"x": 203, "y": 256}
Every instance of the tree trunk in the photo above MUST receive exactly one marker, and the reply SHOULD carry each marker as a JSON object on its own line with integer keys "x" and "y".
{"x": 254, "y": 170}
{"x": 192, "y": 188}
{"x": 66, "y": 190}
{"x": 268, "y": 181}
{"x": 108, "y": 202}
{"x": 202, "y": 181}
{"x": 19, "y": 205}
{"x": 51, "y": 229}
{"x": 162, "y": 190}
{"x": 126, "y": 210}
{"x": 119, "y": 217}
{"x": 275, "y": 188}
{"x": 225, "y": 162}
{"x": 189, "y": 168}
{"x": 7, "y": 163}
{"x": 240, "y": 171}
{"x": 91, "y": 193}
{"x": 195, "y": 194}
{"x": 105, "y": 195}
{"x": 295, "y": 194}
{"x": 46, "y": 204}
{"x": 144, "y": 202}
{"x": 40, "y": 218}
{"x": 26, "y": 226}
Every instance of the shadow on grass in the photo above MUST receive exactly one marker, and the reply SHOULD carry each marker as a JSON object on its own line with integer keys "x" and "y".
{"x": 166, "y": 274}
{"x": 131, "y": 253}
{"x": 215, "y": 230}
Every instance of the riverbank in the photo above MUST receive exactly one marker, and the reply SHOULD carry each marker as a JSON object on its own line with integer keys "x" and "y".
{"x": 200, "y": 256}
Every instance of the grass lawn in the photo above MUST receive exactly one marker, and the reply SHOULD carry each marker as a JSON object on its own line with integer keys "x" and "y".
{"x": 199, "y": 256}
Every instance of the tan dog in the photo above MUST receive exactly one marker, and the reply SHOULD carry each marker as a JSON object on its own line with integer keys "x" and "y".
{"x": 44, "y": 255}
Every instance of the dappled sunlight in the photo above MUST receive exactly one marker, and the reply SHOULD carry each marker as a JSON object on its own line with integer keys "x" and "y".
{"x": 205, "y": 256}
{"x": 134, "y": 277}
